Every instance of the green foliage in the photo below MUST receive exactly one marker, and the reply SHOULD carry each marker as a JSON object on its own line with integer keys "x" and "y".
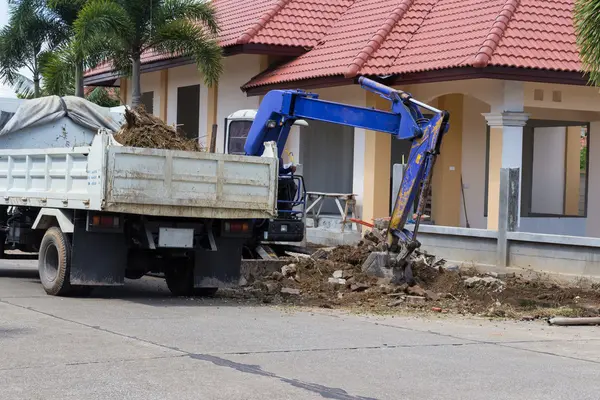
{"x": 121, "y": 30}
{"x": 31, "y": 31}
{"x": 587, "y": 30}
{"x": 102, "y": 97}
{"x": 583, "y": 159}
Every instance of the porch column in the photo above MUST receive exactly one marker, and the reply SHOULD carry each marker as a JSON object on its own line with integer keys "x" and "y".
{"x": 593, "y": 181}
{"x": 505, "y": 151}
{"x": 378, "y": 157}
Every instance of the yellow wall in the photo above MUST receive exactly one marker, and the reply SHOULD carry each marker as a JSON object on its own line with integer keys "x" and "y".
{"x": 446, "y": 183}
{"x": 378, "y": 158}
{"x": 495, "y": 163}
{"x": 123, "y": 90}
{"x": 572, "y": 170}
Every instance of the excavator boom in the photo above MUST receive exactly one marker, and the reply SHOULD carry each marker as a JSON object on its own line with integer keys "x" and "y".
{"x": 281, "y": 108}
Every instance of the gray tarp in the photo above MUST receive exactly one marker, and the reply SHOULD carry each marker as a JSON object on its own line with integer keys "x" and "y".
{"x": 51, "y": 108}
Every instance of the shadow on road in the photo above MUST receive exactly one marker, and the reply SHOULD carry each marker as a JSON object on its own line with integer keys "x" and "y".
{"x": 150, "y": 291}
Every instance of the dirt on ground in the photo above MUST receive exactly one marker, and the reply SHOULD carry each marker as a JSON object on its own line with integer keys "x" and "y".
{"x": 333, "y": 278}
{"x": 142, "y": 129}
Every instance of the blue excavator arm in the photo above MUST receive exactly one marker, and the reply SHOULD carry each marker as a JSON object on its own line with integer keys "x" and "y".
{"x": 281, "y": 108}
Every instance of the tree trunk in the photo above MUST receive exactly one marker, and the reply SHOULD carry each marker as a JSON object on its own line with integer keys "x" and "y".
{"x": 79, "y": 79}
{"x": 136, "y": 91}
{"x": 36, "y": 86}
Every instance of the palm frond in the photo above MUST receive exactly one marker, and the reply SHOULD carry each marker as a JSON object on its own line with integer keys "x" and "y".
{"x": 587, "y": 29}
{"x": 103, "y": 18}
{"x": 22, "y": 85}
{"x": 199, "y": 11}
{"x": 58, "y": 71}
{"x": 185, "y": 38}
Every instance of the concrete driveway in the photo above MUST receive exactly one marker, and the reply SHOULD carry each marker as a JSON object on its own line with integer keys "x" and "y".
{"x": 138, "y": 343}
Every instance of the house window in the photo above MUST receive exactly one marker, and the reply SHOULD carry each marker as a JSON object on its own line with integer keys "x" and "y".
{"x": 148, "y": 101}
{"x": 554, "y": 174}
{"x": 188, "y": 110}
{"x": 236, "y": 138}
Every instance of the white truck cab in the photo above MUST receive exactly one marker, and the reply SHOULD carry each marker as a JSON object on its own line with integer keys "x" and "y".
{"x": 237, "y": 126}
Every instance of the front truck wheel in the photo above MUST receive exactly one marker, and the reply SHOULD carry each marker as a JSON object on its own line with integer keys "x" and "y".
{"x": 54, "y": 262}
{"x": 54, "y": 265}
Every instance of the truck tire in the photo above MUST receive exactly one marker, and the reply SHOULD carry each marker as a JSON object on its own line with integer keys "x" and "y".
{"x": 180, "y": 280}
{"x": 54, "y": 261}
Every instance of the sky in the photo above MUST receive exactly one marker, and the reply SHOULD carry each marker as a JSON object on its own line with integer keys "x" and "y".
{"x": 5, "y": 91}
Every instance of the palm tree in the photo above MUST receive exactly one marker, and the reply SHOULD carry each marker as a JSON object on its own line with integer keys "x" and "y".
{"x": 587, "y": 29}
{"x": 30, "y": 33}
{"x": 67, "y": 62}
{"x": 127, "y": 28}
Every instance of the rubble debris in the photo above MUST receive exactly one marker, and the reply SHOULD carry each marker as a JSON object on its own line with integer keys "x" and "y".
{"x": 290, "y": 291}
{"x": 359, "y": 287}
{"x": 487, "y": 282}
{"x": 142, "y": 129}
{"x": 415, "y": 299}
{"x": 289, "y": 270}
{"x": 341, "y": 278}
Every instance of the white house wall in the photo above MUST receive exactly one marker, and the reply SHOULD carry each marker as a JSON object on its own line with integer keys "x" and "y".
{"x": 187, "y": 75}
{"x": 150, "y": 82}
{"x": 237, "y": 70}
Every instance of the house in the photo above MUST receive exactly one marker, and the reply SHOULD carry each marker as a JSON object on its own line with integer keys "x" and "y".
{"x": 508, "y": 71}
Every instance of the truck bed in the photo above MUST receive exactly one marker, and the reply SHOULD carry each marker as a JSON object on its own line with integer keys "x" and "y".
{"x": 109, "y": 177}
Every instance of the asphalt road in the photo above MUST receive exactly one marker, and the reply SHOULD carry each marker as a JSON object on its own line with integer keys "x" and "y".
{"x": 136, "y": 342}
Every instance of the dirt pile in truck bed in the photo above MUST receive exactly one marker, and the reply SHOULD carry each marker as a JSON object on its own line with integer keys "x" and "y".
{"x": 333, "y": 278}
{"x": 142, "y": 129}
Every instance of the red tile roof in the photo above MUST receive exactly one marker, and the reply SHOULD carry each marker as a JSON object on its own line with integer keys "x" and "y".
{"x": 382, "y": 37}
{"x": 402, "y": 36}
{"x": 270, "y": 22}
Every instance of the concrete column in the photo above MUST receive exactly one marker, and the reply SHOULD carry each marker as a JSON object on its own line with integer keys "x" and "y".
{"x": 593, "y": 211}
{"x": 446, "y": 183}
{"x": 572, "y": 170}
{"x": 506, "y": 151}
{"x": 378, "y": 157}
{"x": 211, "y": 112}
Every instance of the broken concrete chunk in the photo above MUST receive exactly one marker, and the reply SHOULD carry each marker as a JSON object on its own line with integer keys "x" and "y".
{"x": 396, "y": 303}
{"x": 290, "y": 291}
{"x": 485, "y": 282}
{"x": 289, "y": 269}
{"x": 416, "y": 290}
{"x": 337, "y": 281}
{"x": 359, "y": 287}
{"x": 431, "y": 295}
{"x": 338, "y": 274}
{"x": 271, "y": 287}
{"x": 415, "y": 299}
{"x": 277, "y": 276}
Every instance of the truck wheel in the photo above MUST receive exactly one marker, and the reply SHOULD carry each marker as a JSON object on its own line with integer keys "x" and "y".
{"x": 54, "y": 262}
{"x": 180, "y": 280}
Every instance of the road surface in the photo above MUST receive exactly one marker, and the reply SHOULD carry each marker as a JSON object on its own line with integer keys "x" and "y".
{"x": 136, "y": 342}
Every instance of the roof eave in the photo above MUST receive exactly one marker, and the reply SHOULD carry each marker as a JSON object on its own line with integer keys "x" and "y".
{"x": 440, "y": 75}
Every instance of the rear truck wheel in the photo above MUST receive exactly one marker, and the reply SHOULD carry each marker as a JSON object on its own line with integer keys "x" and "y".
{"x": 180, "y": 279}
{"x": 54, "y": 262}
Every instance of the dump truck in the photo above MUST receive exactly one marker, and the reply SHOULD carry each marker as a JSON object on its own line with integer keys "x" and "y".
{"x": 97, "y": 212}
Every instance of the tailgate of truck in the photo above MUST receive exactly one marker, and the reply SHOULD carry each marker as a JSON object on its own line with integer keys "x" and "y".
{"x": 189, "y": 184}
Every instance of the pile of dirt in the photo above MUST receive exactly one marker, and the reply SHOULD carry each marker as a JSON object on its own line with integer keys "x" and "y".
{"x": 334, "y": 278}
{"x": 142, "y": 129}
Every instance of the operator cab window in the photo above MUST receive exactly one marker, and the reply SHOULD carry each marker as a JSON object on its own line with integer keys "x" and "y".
{"x": 238, "y": 132}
